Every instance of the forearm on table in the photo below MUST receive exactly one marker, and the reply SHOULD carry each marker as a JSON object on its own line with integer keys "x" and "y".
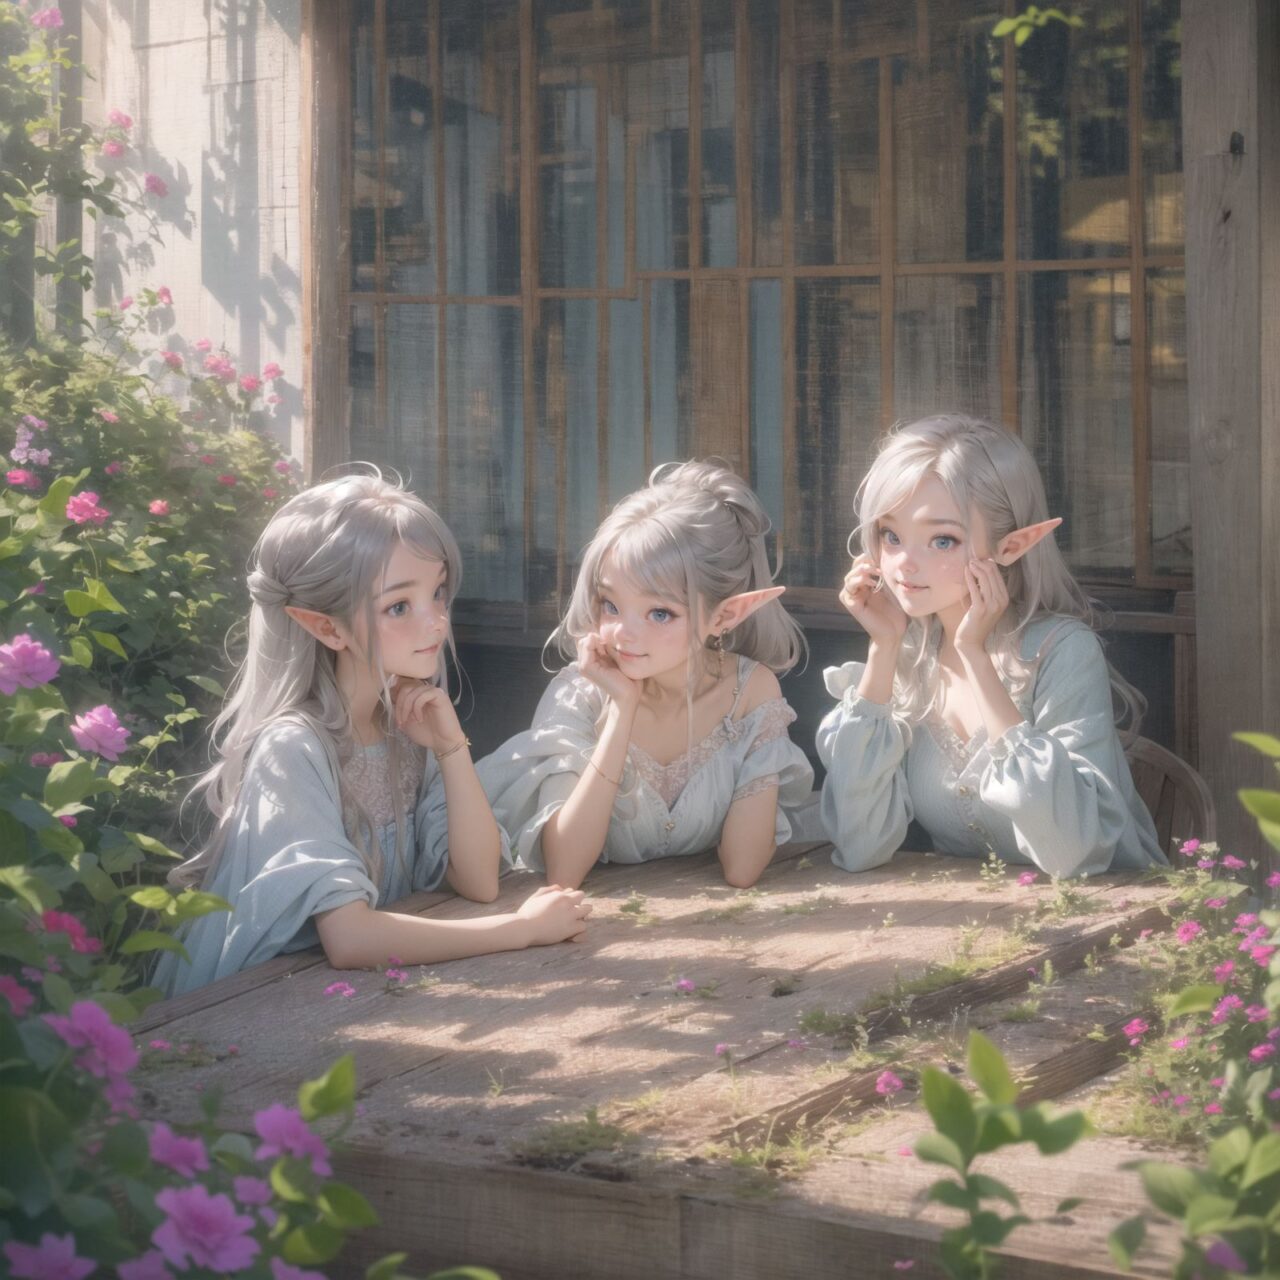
{"x": 475, "y": 844}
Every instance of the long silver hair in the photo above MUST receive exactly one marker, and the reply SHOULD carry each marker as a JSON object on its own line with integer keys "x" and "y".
{"x": 694, "y": 535}
{"x": 986, "y": 469}
{"x": 325, "y": 550}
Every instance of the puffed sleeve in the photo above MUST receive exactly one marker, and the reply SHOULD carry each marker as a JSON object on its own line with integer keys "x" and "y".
{"x": 431, "y": 832}
{"x": 771, "y": 759}
{"x": 531, "y": 776}
{"x": 286, "y": 858}
{"x": 1060, "y": 779}
{"x": 865, "y": 806}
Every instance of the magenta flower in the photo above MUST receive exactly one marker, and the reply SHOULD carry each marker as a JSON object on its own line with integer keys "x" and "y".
{"x": 1188, "y": 930}
{"x": 282, "y": 465}
{"x": 82, "y": 508}
{"x": 285, "y": 1133}
{"x": 903, "y": 1264}
{"x": 1252, "y": 938}
{"x": 1213, "y": 1108}
{"x": 34, "y": 423}
{"x": 172, "y": 359}
{"x": 63, "y": 922}
{"x": 1256, "y": 1013}
{"x": 100, "y": 731}
{"x": 108, "y": 1050}
{"x": 252, "y": 1191}
{"x": 685, "y": 985}
{"x": 274, "y": 399}
{"x": 1218, "y": 1081}
{"x": 107, "y": 416}
{"x": 163, "y": 296}
{"x": 228, "y": 481}
{"x": 203, "y": 1229}
{"x": 1221, "y": 1254}
{"x": 1215, "y": 903}
{"x": 185, "y": 1156}
{"x": 160, "y": 1046}
{"x": 1261, "y": 956}
{"x": 67, "y": 820}
{"x": 202, "y": 344}
{"x": 1206, "y": 864}
{"x": 721, "y": 1050}
{"x": 396, "y": 975}
{"x": 1261, "y": 1052}
{"x": 269, "y": 492}
{"x": 1135, "y": 1029}
{"x": 113, "y": 468}
{"x": 340, "y": 989}
{"x": 155, "y": 185}
{"x": 19, "y": 998}
{"x": 1180, "y": 1043}
{"x": 887, "y": 1084}
{"x": 250, "y": 383}
{"x": 49, "y": 19}
{"x": 150, "y": 1266}
{"x": 1189, "y": 847}
{"x": 121, "y": 119}
{"x": 126, "y": 302}
{"x": 21, "y": 478}
{"x": 25, "y": 663}
{"x": 35, "y": 589}
{"x": 207, "y": 459}
{"x": 1027, "y": 877}
{"x": 271, "y": 371}
{"x": 281, "y": 1270}
{"x": 158, "y": 507}
{"x": 1225, "y": 1008}
{"x": 1245, "y": 920}
{"x": 1273, "y": 880}
{"x": 1232, "y": 863}
{"x": 54, "y": 1258}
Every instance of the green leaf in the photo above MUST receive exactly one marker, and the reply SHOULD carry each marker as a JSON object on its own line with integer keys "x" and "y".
{"x": 70, "y": 781}
{"x": 54, "y": 502}
{"x": 1004, "y": 27}
{"x": 292, "y": 1180}
{"x": 1230, "y": 1151}
{"x": 1169, "y": 1187}
{"x": 989, "y": 1069}
{"x": 1260, "y": 803}
{"x": 38, "y": 1140}
{"x": 79, "y": 603}
{"x": 151, "y": 897}
{"x": 939, "y": 1149}
{"x": 87, "y": 1213}
{"x": 125, "y": 1149}
{"x": 1053, "y": 1134}
{"x": 991, "y": 1230}
{"x": 387, "y": 1268}
{"x": 152, "y": 940}
{"x": 28, "y": 888}
{"x": 1125, "y": 1241}
{"x": 57, "y": 991}
{"x": 190, "y": 904}
{"x": 81, "y": 654}
{"x": 210, "y": 685}
{"x": 335, "y": 1091}
{"x": 345, "y": 1207}
{"x": 110, "y": 643}
{"x": 1022, "y": 35}
{"x": 465, "y": 1273}
{"x": 1263, "y": 1161}
{"x": 1071, "y": 1202}
{"x": 951, "y": 1109}
{"x": 149, "y": 844}
{"x": 1208, "y": 1213}
{"x": 316, "y": 1244}
{"x": 1267, "y": 743}
{"x": 989, "y": 1188}
{"x": 101, "y": 887}
{"x": 234, "y": 1150}
{"x": 952, "y": 1194}
{"x": 102, "y": 595}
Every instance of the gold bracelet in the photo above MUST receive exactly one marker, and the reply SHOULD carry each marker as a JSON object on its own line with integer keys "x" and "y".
{"x": 617, "y": 782}
{"x": 448, "y": 751}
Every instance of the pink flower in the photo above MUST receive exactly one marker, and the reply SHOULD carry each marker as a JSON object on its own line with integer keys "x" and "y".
{"x": 49, "y": 19}
{"x": 172, "y": 359}
{"x": 82, "y": 508}
{"x": 113, "y": 468}
{"x": 1026, "y": 878}
{"x": 155, "y": 185}
{"x": 1206, "y": 864}
{"x": 1187, "y": 930}
{"x": 721, "y": 1050}
{"x": 1256, "y": 1013}
{"x": 107, "y": 416}
{"x": 274, "y": 399}
{"x": 150, "y": 1266}
{"x": 45, "y": 759}
{"x": 1189, "y": 847}
{"x": 27, "y": 663}
{"x": 887, "y": 1084}
{"x": 905, "y": 1151}
{"x": 1143, "y": 934}
{"x": 1273, "y": 880}
{"x": 1221, "y": 1254}
{"x": 35, "y": 589}
{"x": 1181, "y": 1099}
{"x": 1135, "y": 1029}
{"x": 36, "y": 424}
{"x": 1245, "y": 920}
{"x": 126, "y": 302}
{"x": 54, "y": 1258}
{"x": 1213, "y": 1108}
{"x": 207, "y": 459}
{"x": 21, "y": 478}
{"x": 98, "y": 730}
{"x": 250, "y": 383}
{"x": 113, "y": 148}
{"x": 158, "y": 507}
{"x": 1261, "y": 1052}
{"x": 1225, "y": 1008}
{"x": 19, "y": 998}
{"x": 185, "y": 1156}
{"x": 1261, "y": 956}
{"x": 66, "y": 819}
{"x": 62, "y": 922}
{"x": 1252, "y": 938}
{"x": 269, "y": 492}
{"x": 1215, "y": 903}
{"x": 1221, "y": 972}
{"x": 203, "y": 1229}
{"x": 1232, "y": 863}
{"x": 121, "y": 119}
{"x": 685, "y": 985}
{"x": 228, "y": 481}
{"x": 396, "y": 975}
{"x": 283, "y": 466}
{"x": 1218, "y": 1081}
{"x": 281, "y": 1270}
{"x": 284, "y": 1133}
{"x": 1180, "y": 1043}
{"x": 271, "y": 371}
{"x": 163, "y": 296}
{"x": 233, "y": 1050}
{"x": 1274, "y": 1095}
{"x": 160, "y": 1046}
{"x": 252, "y": 1190}
{"x": 108, "y": 1050}
{"x": 202, "y": 344}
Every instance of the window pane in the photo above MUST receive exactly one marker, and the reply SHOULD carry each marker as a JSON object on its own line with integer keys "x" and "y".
{"x": 948, "y": 143}
{"x": 1073, "y": 136}
{"x": 719, "y": 170}
{"x": 946, "y": 353}
{"x": 1170, "y": 431}
{"x": 767, "y": 465}
{"x": 362, "y": 383}
{"x": 626, "y": 398}
{"x": 482, "y": 146}
{"x": 567, "y": 185}
{"x": 766, "y": 134}
{"x": 484, "y": 499}
{"x": 1074, "y": 406}
{"x": 837, "y": 354}
{"x": 1162, "y": 124}
{"x": 658, "y": 115}
{"x": 364, "y": 149}
{"x": 671, "y": 418}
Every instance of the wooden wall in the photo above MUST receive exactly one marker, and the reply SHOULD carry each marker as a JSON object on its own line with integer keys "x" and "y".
{"x": 1231, "y": 127}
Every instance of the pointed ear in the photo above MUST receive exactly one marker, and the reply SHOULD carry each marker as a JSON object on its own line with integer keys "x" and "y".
{"x": 1013, "y": 546}
{"x": 319, "y": 625}
{"x": 737, "y": 609}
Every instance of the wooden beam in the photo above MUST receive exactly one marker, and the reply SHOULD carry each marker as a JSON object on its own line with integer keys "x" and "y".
{"x": 1231, "y": 129}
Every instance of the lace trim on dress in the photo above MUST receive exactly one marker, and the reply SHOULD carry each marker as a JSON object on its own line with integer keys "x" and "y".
{"x": 670, "y": 780}
{"x": 367, "y": 779}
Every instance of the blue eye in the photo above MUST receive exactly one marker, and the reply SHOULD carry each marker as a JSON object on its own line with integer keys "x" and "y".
{"x": 945, "y": 542}
{"x": 661, "y": 615}
{"x": 399, "y": 609}
{"x": 608, "y": 607}
{"x": 889, "y": 536}
{"x": 442, "y": 592}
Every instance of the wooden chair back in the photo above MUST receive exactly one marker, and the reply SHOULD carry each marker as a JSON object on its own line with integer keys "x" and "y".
{"x": 1176, "y": 795}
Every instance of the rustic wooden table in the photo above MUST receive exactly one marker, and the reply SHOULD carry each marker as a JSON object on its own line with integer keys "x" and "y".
{"x": 562, "y": 1112}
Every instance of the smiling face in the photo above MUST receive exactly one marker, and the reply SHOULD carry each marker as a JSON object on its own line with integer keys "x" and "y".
{"x": 647, "y": 635}
{"x": 411, "y": 613}
{"x": 924, "y": 545}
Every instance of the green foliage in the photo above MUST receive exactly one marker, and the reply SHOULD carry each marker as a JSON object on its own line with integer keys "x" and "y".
{"x": 1025, "y": 24}
{"x": 966, "y": 1127}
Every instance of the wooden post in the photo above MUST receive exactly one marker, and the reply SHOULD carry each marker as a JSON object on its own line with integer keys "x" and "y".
{"x": 1231, "y": 128}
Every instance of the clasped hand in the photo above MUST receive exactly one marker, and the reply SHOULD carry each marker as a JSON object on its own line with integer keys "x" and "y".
{"x": 425, "y": 715}
{"x": 873, "y": 606}
{"x": 988, "y": 599}
{"x": 597, "y": 663}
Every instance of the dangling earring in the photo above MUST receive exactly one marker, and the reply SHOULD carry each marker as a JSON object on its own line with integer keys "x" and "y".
{"x": 715, "y": 643}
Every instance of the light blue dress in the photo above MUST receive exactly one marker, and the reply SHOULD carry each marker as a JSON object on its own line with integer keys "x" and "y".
{"x": 661, "y": 811}
{"x": 1054, "y": 791}
{"x": 287, "y": 855}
